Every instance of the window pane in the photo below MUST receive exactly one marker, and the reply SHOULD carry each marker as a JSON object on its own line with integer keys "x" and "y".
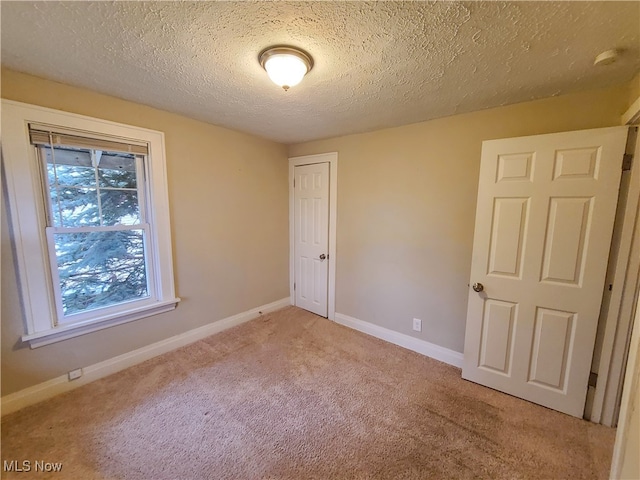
{"x": 117, "y": 170}
{"x": 75, "y": 207}
{"x": 100, "y": 269}
{"x": 73, "y": 176}
{"x": 119, "y": 207}
{"x": 79, "y": 157}
{"x": 70, "y": 166}
{"x": 51, "y": 174}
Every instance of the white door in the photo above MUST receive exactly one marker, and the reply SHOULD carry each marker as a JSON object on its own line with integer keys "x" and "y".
{"x": 311, "y": 237}
{"x": 544, "y": 219}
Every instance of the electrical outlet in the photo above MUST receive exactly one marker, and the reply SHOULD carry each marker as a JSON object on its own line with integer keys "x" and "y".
{"x": 75, "y": 374}
{"x": 417, "y": 324}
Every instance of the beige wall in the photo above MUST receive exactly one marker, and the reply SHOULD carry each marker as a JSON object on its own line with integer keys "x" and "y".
{"x": 228, "y": 200}
{"x": 634, "y": 89}
{"x": 406, "y": 208}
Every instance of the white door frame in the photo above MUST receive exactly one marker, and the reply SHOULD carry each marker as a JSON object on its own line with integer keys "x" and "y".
{"x": 616, "y": 333}
{"x": 623, "y": 446}
{"x": 620, "y": 309}
{"x": 332, "y": 159}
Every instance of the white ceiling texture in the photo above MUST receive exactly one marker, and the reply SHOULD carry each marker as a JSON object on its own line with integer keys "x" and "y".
{"x": 377, "y": 64}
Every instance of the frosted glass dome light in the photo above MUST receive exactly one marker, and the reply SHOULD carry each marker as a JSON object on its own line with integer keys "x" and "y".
{"x": 286, "y": 66}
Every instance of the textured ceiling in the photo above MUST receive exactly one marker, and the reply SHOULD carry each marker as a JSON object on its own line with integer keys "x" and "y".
{"x": 377, "y": 64}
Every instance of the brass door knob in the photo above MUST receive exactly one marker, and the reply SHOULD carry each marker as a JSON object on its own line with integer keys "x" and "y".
{"x": 477, "y": 287}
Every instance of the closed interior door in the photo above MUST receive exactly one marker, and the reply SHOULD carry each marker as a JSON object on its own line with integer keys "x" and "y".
{"x": 311, "y": 249}
{"x": 544, "y": 220}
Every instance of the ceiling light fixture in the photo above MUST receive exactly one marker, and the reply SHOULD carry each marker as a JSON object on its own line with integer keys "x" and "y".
{"x": 286, "y": 66}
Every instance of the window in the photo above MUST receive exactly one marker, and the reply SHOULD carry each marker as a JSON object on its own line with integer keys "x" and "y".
{"x": 94, "y": 194}
{"x": 97, "y": 225}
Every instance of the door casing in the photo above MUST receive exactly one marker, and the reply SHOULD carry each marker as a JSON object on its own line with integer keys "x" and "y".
{"x": 332, "y": 159}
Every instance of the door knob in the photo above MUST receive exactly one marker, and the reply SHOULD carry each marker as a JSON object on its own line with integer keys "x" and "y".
{"x": 477, "y": 287}
{"x": 323, "y": 256}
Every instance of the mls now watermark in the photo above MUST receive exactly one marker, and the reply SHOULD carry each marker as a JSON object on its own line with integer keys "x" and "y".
{"x": 29, "y": 466}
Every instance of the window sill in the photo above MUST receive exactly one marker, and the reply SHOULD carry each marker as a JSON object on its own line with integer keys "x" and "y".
{"x": 65, "y": 332}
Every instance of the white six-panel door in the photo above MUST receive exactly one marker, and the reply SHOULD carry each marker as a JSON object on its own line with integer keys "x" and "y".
{"x": 311, "y": 237}
{"x": 544, "y": 219}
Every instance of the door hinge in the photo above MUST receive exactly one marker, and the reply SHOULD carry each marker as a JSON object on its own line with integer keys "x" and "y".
{"x": 593, "y": 379}
{"x": 627, "y": 162}
{"x": 294, "y": 183}
{"x": 294, "y": 285}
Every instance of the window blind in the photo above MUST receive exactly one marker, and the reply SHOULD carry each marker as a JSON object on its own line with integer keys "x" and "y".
{"x": 43, "y": 135}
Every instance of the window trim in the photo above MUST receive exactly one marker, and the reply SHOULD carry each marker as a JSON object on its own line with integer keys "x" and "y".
{"x": 28, "y": 220}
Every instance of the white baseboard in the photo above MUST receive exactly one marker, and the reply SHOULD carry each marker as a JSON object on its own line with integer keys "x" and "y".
{"x": 411, "y": 343}
{"x": 37, "y": 393}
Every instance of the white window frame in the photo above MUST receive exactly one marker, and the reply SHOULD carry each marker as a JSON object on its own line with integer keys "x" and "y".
{"x": 143, "y": 225}
{"x": 28, "y": 221}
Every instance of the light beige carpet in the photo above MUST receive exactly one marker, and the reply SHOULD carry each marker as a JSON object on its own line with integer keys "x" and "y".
{"x": 294, "y": 396}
